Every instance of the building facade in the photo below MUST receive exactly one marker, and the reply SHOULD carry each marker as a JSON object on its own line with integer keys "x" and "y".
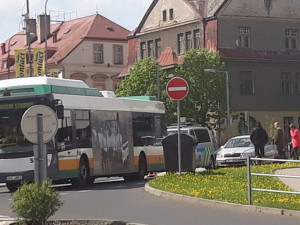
{"x": 257, "y": 39}
{"x": 93, "y": 49}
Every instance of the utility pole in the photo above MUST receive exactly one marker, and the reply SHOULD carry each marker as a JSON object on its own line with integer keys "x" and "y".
{"x": 27, "y": 30}
{"x": 46, "y": 38}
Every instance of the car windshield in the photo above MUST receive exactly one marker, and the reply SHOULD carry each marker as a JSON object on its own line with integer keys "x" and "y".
{"x": 238, "y": 142}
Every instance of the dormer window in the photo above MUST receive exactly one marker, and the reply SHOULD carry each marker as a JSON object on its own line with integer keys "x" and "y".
{"x": 171, "y": 14}
{"x": 165, "y": 15}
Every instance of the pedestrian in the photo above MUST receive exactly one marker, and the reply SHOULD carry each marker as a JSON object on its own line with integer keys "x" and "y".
{"x": 295, "y": 135}
{"x": 259, "y": 138}
{"x": 278, "y": 140}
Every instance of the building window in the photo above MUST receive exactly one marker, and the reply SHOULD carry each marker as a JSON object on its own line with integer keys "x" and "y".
{"x": 244, "y": 34}
{"x": 98, "y": 53}
{"x": 118, "y": 54}
{"x": 197, "y": 38}
{"x": 189, "y": 41}
{"x": 286, "y": 80}
{"x": 150, "y": 49}
{"x": 171, "y": 14}
{"x": 291, "y": 37}
{"x": 143, "y": 50}
{"x": 180, "y": 44}
{"x": 4, "y": 64}
{"x": 165, "y": 15}
{"x": 157, "y": 48}
{"x": 247, "y": 87}
{"x": 297, "y": 83}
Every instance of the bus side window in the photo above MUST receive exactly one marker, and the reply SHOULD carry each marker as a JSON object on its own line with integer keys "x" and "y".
{"x": 64, "y": 138}
{"x": 83, "y": 129}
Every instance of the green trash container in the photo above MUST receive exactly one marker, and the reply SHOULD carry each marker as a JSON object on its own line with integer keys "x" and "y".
{"x": 170, "y": 148}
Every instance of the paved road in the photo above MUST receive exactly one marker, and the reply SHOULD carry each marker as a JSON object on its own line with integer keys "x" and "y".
{"x": 128, "y": 201}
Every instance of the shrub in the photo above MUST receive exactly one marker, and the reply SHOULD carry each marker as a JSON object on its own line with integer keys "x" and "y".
{"x": 36, "y": 203}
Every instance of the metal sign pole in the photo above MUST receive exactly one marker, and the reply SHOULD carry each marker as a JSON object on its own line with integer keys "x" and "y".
{"x": 179, "y": 141}
{"x": 42, "y": 150}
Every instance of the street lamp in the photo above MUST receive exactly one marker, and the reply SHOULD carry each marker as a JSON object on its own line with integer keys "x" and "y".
{"x": 227, "y": 90}
{"x": 8, "y": 53}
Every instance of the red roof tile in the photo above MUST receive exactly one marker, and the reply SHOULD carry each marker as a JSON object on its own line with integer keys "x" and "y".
{"x": 169, "y": 58}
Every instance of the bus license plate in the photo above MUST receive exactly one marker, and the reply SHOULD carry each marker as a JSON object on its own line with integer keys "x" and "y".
{"x": 13, "y": 178}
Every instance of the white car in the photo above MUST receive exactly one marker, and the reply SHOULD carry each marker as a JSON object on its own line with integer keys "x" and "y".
{"x": 237, "y": 149}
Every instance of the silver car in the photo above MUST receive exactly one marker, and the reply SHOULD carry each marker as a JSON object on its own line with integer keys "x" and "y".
{"x": 237, "y": 149}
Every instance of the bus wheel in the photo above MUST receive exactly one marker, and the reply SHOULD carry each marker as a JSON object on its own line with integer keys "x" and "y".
{"x": 13, "y": 186}
{"x": 142, "y": 167}
{"x": 83, "y": 174}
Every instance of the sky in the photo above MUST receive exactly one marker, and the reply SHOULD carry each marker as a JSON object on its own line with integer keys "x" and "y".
{"x": 127, "y": 13}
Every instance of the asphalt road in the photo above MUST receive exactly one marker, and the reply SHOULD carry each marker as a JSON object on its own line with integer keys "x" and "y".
{"x": 128, "y": 201}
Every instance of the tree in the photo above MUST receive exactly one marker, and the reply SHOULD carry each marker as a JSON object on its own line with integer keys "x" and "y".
{"x": 142, "y": 79}
{"x": 207, "y": 91}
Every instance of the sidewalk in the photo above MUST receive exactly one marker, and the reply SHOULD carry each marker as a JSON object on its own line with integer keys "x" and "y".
{"x": 293, "y": 183}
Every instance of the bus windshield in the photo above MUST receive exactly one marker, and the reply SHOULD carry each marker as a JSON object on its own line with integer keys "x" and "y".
{"x": 12, "y": 139}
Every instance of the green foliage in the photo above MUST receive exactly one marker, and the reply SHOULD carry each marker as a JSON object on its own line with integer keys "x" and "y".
{"x": 207, "y": 91}
{"x": 142, "y": 79}
{"x": 36, "y": 203}
{"x": 230, "y": 185}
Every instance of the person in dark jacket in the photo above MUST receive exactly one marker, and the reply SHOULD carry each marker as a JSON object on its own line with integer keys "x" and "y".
{"x": 278, "y": 140}
{"x": 259, "y": 138}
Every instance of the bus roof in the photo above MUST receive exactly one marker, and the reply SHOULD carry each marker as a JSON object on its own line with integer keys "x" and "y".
{"x": 42, "y": 80}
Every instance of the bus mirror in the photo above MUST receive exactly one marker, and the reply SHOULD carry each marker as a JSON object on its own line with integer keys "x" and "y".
{"x": 60, "y": 111}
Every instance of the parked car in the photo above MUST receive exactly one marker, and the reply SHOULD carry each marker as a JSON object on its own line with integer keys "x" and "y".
{"x": 204, "y": 152}
{"x": 237, "y": 149}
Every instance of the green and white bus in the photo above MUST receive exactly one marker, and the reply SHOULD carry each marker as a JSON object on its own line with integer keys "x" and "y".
{"x": 97, "y": 136}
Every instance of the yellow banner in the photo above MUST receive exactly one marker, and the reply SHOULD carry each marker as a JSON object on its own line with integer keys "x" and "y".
{"x": 21, "y": 63}
{"x": 39, "y": 62}
{"x": 54, "y": 72}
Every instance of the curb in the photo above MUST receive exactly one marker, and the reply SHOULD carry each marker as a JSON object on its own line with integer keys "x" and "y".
{"x": 8, "y": 221}
{"x": 219, "y": 204}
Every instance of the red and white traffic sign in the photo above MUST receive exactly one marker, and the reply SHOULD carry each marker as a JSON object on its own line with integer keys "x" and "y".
{"x": 177, "y": 88}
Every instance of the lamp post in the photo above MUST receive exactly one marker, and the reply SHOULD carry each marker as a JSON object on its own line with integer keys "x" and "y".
{"x": 157, "y": 81}
{"x": 46, "y": 38}
{"x": 8, "y": 53}
{"x": 227, "y": 90}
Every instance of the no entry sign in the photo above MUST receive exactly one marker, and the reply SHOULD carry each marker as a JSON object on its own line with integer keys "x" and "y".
{"x": 177, "y": 88}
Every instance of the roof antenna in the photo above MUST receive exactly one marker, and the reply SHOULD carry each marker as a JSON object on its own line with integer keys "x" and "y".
{"x": 97, "y": 9}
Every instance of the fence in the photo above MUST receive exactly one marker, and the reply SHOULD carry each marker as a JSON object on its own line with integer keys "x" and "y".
{"x": 249, "y": 174}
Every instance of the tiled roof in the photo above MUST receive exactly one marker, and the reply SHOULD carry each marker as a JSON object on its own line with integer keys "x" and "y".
{"x": 169, "y": 58}
{"x": 69, "y": 35}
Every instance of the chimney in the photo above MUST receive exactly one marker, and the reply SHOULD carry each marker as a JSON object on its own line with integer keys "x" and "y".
{"x": 30, "y": 28}
{"x": 3, "y": 49}
{"x": 43, "y": 27}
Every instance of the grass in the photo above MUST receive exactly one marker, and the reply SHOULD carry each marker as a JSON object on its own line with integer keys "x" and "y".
{"x": 230, "y": 185}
